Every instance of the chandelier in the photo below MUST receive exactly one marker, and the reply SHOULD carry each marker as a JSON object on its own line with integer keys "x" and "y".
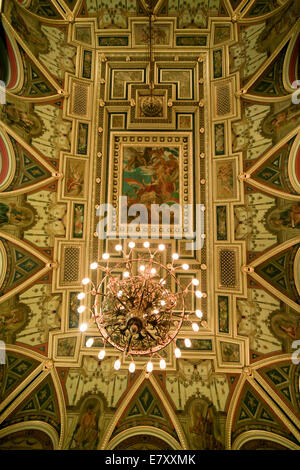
{"x": 138, "y": 304}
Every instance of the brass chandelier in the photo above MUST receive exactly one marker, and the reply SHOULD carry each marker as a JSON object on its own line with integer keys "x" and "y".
{"x": 138, "y": 304}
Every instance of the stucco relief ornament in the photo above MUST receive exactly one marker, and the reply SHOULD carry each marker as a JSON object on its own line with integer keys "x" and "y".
{"x": 244, "y": 176}
{"x": 248, "y": 269}
{"x": 48, "y": 365}
{"x": 151, "y": 106}
{"x": 248, "y": 371}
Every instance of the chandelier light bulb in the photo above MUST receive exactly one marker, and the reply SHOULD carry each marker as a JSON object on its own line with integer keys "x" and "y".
{"x": 117, "y": 364}
{"x": 81, "y": 296}
{"x": 195, "y": 282}
{"x": 153, "y": 271}
{"x": 146, "y": 244}
{"x": 155, "y": 311}
{"x": 105, "y": 256}
{"x": 175, "y": 256}
{"x": 118, "y": 247}
{"x": 85, "y": 281}
{"x": 94, "y": 265}
{"x": 161, "y": 247}
{"x": 185, "y": 266}
{"x": 199, "y": 314}
{"x": 126, "y": 274}
{"x": 177, "y": 353}
{"x": 131, "y": 245}
{"x": 81, "y": 309}
{"x": 83, "y": 327}
{"x": 89, "y": 342}
{"x": 198, "y": 294}
{"x": 187, "y": 343}
{"x": 163, "y": 302}
{"x": 101, "y": 354}
{"x": 195, "y": 326}
{"x": 149, "y": 366}
{"x": 162, "y": 364}
{"x": 120, "y": 293}
{"x": 142, "y": 268}
{"x": 131, "y": 367}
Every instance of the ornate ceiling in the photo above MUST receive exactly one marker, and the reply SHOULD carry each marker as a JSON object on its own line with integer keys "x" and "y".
{"x": 75, "y": 133}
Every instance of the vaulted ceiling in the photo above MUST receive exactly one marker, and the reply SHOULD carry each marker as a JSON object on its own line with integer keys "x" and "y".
{"x": 73, "y": 127}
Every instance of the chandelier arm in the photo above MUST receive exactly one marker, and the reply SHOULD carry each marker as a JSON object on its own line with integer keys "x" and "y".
{"x": 122, "y": 303}
{"x": 104, "y": 338}
{"x": 147, "y": 338}
{"x": 126, "y": 351}
{"x": 99, "y": 286}
{"x": 111, "y": 324}
{"x": 143, "y": 292}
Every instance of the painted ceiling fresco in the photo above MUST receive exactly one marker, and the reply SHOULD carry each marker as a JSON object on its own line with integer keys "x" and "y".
{"x": 73, "y": 135}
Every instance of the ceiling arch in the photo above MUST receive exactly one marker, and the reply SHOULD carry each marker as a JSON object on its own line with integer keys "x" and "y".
{"x": 31, "y": 391}
{"x": 124, "y": 436}
{"x": 18, "y": 432}
{"x": 139, "y": 382}
{"x": 249, "y": 436}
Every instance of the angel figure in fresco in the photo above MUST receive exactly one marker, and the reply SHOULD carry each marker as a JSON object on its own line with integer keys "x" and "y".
{"x": 86, "y": 435}
{"x": 74, "y": 183}
{"x": 221, "y": 223}
{"x": 167, "y": 174}
{"x": 225, "y": 180}
{"x": 154, "y": 176}
{"x": 223, "y": 315}
{"x": 78, "y": 220}
{"x": 203, "y": 429}
{"x": 32, "y": 34}
{"x": 73, "y": 314}
{"x": 138, "y": 159}
{"x": 287, "y": 218}
{"x": 292, "y": 331}
{"x": 12, "y": 319}
{"x": 285, "y": 326}
{"x": 82, "y": 139}
{"x": 25, "y": 119}
{"x": 14, "y": 215}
